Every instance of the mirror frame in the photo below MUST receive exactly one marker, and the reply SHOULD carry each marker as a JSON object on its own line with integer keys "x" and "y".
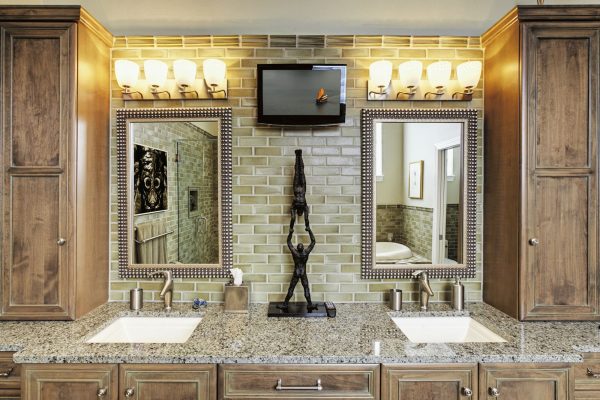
{"x": 125, "y": 116}
{"x": 368, "y": 117}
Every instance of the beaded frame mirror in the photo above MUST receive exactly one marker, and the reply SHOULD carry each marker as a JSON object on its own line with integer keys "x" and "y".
{"x": 468, "y": 119}
{"x": 222, "y": 117}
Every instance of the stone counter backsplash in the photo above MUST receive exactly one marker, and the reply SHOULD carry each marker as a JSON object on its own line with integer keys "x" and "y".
{"x": 263, "y": 159}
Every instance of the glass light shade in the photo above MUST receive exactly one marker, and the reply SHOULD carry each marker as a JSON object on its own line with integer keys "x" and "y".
{"x": 468, "y": 73}
{"x": 214, "y": 71}
{"x": 155, "y": 72}
{"x": 410, "y": 73}
{"x": 438, "y": 73}
{"x": 185, "y": 72}
{"x": 127, "y": 73}
{"x": 380, "y": 73}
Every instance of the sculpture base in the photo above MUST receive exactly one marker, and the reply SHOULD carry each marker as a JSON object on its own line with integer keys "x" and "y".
{"x": 296, "y": 309}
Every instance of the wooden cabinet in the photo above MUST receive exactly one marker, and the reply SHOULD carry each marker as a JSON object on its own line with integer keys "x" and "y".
{"x": 283, "y": 381}
{"x": 68, "y": 382}
{"x": 428, "y": 382}
{"x": 525, "y": 382}
{"x": 541, "y": 163}
{"x": 173, "y": 382}
{"x": 10, "y": 377}
{"x": 587, "y": 378}
{"x": 55, "y": 163}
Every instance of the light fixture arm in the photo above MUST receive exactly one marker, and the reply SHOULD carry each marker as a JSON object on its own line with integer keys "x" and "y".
{"x": 411, "y": 92}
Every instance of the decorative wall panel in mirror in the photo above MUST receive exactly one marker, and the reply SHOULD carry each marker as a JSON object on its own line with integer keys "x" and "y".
{"x": 174, "y": 186}
{"x": 418, "y": 192}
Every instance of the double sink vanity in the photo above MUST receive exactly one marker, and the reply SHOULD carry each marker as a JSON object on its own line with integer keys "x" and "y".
{"x": 366, "y": 352}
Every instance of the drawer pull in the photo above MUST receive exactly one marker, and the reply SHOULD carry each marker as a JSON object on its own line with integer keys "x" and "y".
{"x": 102, "y": 392}
{"x": 593, "y": 374}
{"x": 494, "y": 392}
{"x": 467, "y": 392}
{"x": 281, "y": 387}
{"x": 129, "y": 392}
{"x": 6, "y": 373}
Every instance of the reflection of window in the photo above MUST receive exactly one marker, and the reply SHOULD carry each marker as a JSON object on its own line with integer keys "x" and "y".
{"x": 450, "y": 164}
{"x": 379, "y": 151}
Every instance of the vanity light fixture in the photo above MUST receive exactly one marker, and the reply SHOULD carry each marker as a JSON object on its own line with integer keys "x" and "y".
{"x": 156, "y": 76}
{"x": 468, "y": 74}
{"x": 185, "y": 75}
{"x": 127, "y": 73}
{"x": 410, "y": 75}
{"x": 438, "y": 75}
{"x": 380, "y": 75}
{"x": 156, "y": 82}
{"x": 215, "y": 72}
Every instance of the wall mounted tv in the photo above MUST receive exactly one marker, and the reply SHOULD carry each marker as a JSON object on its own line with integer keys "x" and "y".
{"x": 301, "y": 94}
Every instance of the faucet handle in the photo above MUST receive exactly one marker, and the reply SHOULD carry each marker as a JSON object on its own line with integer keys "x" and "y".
{"x": 166, "y": 274}
{"x": 419, "y": 272}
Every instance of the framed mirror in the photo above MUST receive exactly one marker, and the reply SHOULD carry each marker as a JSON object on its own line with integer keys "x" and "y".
{"x": 174, "y": 177}
{"x": 418, "y": 170}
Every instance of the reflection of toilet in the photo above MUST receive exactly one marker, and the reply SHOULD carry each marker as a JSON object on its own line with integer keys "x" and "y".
{"x": 391, "y": 251}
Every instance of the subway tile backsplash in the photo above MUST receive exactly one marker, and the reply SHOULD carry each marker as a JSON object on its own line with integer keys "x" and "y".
{"x": 263, "y": 162}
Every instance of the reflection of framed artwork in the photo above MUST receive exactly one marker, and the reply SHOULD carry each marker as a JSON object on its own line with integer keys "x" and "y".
{"x": 193, "y": 206}
{"x": 149, "y": 179}
{"x": 415, "y": 180}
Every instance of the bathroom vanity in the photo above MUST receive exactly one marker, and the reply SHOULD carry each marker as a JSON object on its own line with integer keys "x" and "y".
{"x": 233, "y": 356}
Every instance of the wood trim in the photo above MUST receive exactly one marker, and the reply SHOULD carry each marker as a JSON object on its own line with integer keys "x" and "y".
{"x": 500, "y": 27}
{"x": 40, "y": 13}
{"x": 96, "y": 28}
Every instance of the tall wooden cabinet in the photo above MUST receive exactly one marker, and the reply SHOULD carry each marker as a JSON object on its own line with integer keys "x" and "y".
{"x": 55, "y": 87}
{"x": 541, "y": 164}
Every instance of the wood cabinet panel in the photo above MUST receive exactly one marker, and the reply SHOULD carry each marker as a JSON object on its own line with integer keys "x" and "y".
{"x": 526, "y": 381}
{"x": 562, "y": 267}
{"x": 36, "y": 69}
{"x": 561, "y": 94}
{"x": 68, "y": 382}
{"x": 173, "y": 382}
{"x": 428, "y": 382}
{"x": 35, "y": 265}
{"x": 260, "y": 381}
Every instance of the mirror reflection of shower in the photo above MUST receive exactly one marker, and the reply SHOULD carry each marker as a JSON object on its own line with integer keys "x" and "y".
{"x": 175, "y": 175}
{"x": 197, "y": 188}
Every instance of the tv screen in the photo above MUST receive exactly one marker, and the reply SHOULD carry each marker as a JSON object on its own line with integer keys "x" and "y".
{"x": 301, "y": 94}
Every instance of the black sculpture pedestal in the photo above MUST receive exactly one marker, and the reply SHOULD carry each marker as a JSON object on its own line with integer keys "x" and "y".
{"x": 296, "y": 309}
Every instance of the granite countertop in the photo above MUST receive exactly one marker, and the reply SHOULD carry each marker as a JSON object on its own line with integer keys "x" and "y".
{"x": 254, "y": 338}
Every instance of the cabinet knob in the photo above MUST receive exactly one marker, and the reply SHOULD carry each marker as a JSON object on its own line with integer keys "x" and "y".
{"x": 102, "y": 392}
{"x": 129, "y": 392}
{"x": 61, "y": 241}
{"x": 467, "y": 392}
{"x": 494, "y": 392}
{"x": 534, "y": 242}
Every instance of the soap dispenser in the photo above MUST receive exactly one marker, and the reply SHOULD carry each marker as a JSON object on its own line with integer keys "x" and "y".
{"x": 458, "y": 295}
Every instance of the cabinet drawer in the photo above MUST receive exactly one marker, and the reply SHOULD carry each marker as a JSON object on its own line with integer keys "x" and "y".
{"x": 262, "y": 381}
{"x": 10, "y": 375}
{"x": 585, "y": 380}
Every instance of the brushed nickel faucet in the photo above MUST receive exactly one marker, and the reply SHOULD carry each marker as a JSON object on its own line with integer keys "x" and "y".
{"x": 424, "y": 289}
{"x": 167, "y": 291}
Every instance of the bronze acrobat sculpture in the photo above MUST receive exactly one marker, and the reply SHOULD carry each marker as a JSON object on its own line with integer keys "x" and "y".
{"x": 299, "y": 253}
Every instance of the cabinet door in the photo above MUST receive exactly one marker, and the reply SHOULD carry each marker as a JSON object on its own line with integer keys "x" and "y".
{"x": 429, "y": 382}
{"x": 36, "y": 95}
{"x": 525, "y": 382}
{"x": 172, "y": 382}
{"x": 559, "y": 236}
{"x": 69, "y": 382}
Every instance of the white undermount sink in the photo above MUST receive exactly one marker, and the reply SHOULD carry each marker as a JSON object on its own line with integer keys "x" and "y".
{"x": 445, "y": 330}
{"x": 147, "y": 330}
